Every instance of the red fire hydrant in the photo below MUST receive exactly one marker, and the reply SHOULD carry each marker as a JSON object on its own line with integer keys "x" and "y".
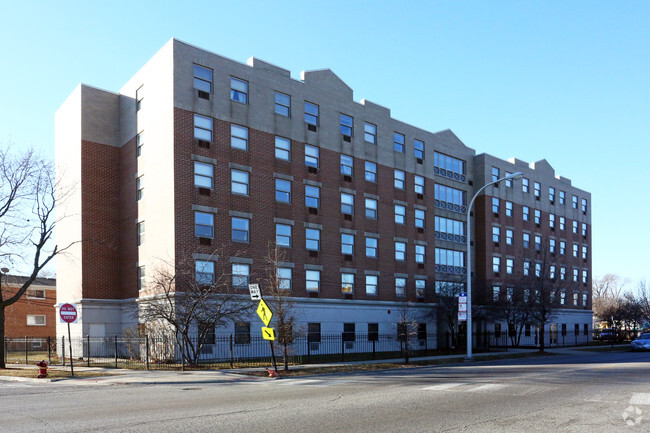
{"x": 42, "y": 369}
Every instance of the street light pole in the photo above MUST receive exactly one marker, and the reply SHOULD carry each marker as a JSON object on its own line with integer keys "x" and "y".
{"x": 468, "y": 261}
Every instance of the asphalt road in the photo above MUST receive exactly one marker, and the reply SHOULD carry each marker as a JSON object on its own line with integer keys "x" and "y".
{"x": 601, "y": 392}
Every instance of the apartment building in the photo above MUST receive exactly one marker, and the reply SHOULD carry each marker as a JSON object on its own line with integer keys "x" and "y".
{"x": 198, "y": 152}
{"x": 33, "y": 315}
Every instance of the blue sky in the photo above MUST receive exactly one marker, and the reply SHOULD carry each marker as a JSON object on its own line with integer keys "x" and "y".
{"x": 564, "y": 81}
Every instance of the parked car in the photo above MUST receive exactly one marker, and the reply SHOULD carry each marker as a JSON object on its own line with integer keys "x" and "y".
{"x": 607, "y": 334}
{"x": 641, "y": 343}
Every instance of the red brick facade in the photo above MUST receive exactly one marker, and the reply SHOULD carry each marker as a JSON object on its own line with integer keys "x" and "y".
{"x": 38, "y": 301}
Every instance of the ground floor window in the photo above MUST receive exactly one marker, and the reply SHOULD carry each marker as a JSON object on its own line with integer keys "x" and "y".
{"x": 242, "y": 332}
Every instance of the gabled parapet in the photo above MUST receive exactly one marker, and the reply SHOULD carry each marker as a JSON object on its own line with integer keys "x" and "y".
{"x": 325, "y": 79}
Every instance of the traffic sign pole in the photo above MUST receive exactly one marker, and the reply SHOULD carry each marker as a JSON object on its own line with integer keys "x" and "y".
{"x": 70, "y": 344}
{"x": 68, "y": 314}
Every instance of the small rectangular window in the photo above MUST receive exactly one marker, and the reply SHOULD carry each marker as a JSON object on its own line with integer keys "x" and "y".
{"x": 240, "y": 229}
{"x": 538, "y": 189}
{"x": 349, "y": 332}
{"x": 420, "y": 253}
{"x": 418, "y": 149}
{"x": 371, "y": 171}
{"x": 240, "y": 275}
{"x": 139, "y": 188}
{"x": 312, "y": 239}
{"x": 419, "y": 218}
{"x": 562, "y": 197}
{"x": 551, "y": 194}
{"x": 398, "y": 142}
{"x": 311, "y": 156}
{"x": 312, "y": 196}
{"x": 204, "y": 272}
{"x": 495, "y": 174}
{"x": 373, "y": 328}
{"x": 36, "y": 320}
{"x": 141, "y": 278}
{"x": 242, "y": 333}
{"x": 347, "y": 204}
{"x": 238, "y": 90}
{"x": 509, "y": 236}
{"x": 371, "y": 208}
{"x": 399, "y": 179}
{"x": 203, "y": 128}
{"x": 347, "y": 283}
{"x": 139, "y": 142}
{"x": 311, "y": 113}
{"x": 312, "y": 281}
{"x": 140, "y": 233}
{"x": 347, "y": 164}
{"x": 347, "y": 244}
{"x": 418, "y": 184}
{"x": 524, "y": 185}
{"x": 420, "y": 286}
{"x": 203, "y": 79}
{"x": 203, "y": 224}
{"x": 495, "y": 205}
{"x": 203, "y": 175}
{"x": 346, "y": 124}
{"x": 496, "y": 233}
{"x": 400, "y": 214}
{"x": 400, "y": 251}
{"x": 283, "y": 104}
{"x": 508, "y": 208}
{"x": 496, "y": 264}
{"x": 284, "y": 278}
{"x": 282, "y": 148}
{"x": 575, "y": 202}
{"x": 313, "y": 332}
{"x": 239, "y": 137}
{"x": 371, "y": 284}
{"x": 239, "y": 182}
{"x": 370, "y": 133}
{"x": 371, "y": 247}
{"x": 283, "y": 235}
{"x": 400, "y": 286}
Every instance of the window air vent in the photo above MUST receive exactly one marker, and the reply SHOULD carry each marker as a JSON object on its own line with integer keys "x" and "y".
{"x": 420, "y": 196}
{"x": 470, "y": 183}
{"x": 205, "y": 241}
{"x": 347, "y": 217}
{"x": 313, "y": 253}
{"x": 312, "y": 170}
{"x": 314, "y": 295}
{"x": 347, "y": 178}
{"x": 347, "y": 138}
{"x": 204, "y": 191}
{"x": 312, "y": 128}
{"x": 420, "y": 265}
{"x": 347, "y": 257}
{"x": 348, "y": 296}
{"x": 204, "y": 144}
{"x": 204, "y": 95}
{"x": 418, "y": 160}
{"x": 313, "y": 210}
{"x": 420, "y": 230}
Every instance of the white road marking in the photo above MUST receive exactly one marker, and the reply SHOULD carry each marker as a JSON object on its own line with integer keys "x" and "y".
{"x": 640, "y": 398}
{"x": 443, "y": 386}
{"x": 299, "y": 382}
{"x": 487, "y": 387}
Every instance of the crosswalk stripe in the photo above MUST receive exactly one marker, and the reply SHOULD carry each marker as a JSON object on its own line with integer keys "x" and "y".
{"x": 640, "y": 398}
{"x": 487, "y": 387}
{"x": 443, "y": 386}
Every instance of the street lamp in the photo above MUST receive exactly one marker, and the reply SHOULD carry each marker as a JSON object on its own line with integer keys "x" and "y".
{"x": 3, "y": 271}
{"x": 512, "y": 176}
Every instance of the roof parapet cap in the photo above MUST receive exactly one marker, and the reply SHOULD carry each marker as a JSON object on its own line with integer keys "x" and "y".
{"x": 261, "y": 64}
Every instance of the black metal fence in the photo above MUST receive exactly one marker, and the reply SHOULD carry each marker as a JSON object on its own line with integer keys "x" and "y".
{"x": 237, "y": 351}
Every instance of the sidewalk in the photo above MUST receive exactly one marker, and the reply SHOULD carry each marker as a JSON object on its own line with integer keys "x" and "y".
{"x": 159, "y": 377}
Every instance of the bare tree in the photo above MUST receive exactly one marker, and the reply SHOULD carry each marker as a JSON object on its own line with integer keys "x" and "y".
{"x": 448, "y": 309}
{"x": 28, "y": 195}
{"x": 277, "y": 294}
{"x": 407, "y": 329}
{"x": 191, "y": 300}
{"x": 515, "y": 310}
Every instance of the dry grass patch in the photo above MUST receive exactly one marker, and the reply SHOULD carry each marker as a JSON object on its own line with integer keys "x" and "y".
{"x": 51, "y": 374}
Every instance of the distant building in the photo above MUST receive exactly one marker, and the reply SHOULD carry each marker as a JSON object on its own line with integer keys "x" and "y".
{"x": 198, "y": 151}
{"x": 33, "y": 315}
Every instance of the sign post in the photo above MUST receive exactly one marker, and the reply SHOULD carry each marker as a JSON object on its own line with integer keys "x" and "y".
{"x": 265, "y": 314}
{"x": 462, "y": 307}
{"x": 68, "y": 314}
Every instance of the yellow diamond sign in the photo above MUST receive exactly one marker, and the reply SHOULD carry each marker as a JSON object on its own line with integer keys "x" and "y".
{"x": 268, "y": 333}
{"x": 264, "y": 312}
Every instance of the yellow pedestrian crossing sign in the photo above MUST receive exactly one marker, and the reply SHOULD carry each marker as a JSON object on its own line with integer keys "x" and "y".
{"x": 264, "y": 312}
{"x": 268, "y": 333}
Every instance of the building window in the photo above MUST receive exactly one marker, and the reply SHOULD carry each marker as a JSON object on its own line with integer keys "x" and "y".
{"x": 420, "y": 253}
{"x": 346, "y": 123}
{"x": 448, "y": 166}
{"x": 284, "y": 278}
{"x": 400, "y": 214}
{"x": 203, "y": 175}
{"x": 526, "y": 213}
{"x": 496, "y": 264}
{"x": 139, "y": 96}
{"x": 204, "y": 272}
{"x": 508, "y": 181}
{"x": 283, "y": 191}
{"x": 203, "y": 128}
{"x": 575, "y": 202}
{"x": 282, "y": 104}
{"x": 400, "y": 251}
{"x": 562, "y": 248}
{"x": 398, "y": 142}
{"x": 525, "y": 184}
{"x": 203, "y": 225}
{"x": 420, "y": 286}
{"x": 312, "y": 281}
{"x": 551, "y": 272}
{"x": 508, "y": 208}
{"x": 371, "y": 284}
{"x": 419, "y": 218}
{"x": 538, "y": 242}
{"x": 496, "y": 291}
{"x": 371, "y": 247}
{"x": 140, "y": 233}
{"x": 347, "y": 283}
{"x": 538, "y": 189}
{"x": 538, "y": 217}
{"x": 399, "y": 179}
{"x": 242, "y": 333}
{"x": 450, "y": 261}
{"x": 576, "y": 249}
{"x": 311, "y": 113}
{"x": 239, "y": 137}
{"x": 495, "y": 205}
{"x": 510, "y": 266}
{"x": 400, "y": 286}
{"x": 312, "y": 239}
{"x": 139, "y": 142}
{"x": 495, "y": 174}
{"x": 141, "y": 278}
{"x": 450, "y": 230}
{"x": 283, "y": 235}
{"x": 347, "y": 204}
{"x": 282, "y": 148}
{"x": 313, "y": 332}
{"x": 496, "y": 234}
{"x": 370, "y": 133}
{"x": 239, "y": 182}
{"x": 349, "y": 332}
{"x": 526, "y": 270}
{"x": 373, "y": 331}
{"x": 584, "y": 276}
{"x": 562, "y": 297}
{"x": 139, "y": 188}
{"x": 551, "y": 194}
{"x": 562, "y": 197}
{"x": 36, "y": 320}
{"x": 36, "y": 294}
{"x": 449, "y": 198}
{"x": 575, "y": 300}
{"x": 526, "y": 240}
{"x": 202, "y": 79}
{"x": 562, "y": 273}
{"x": 538, "y": 270}
{"x": 312, "y": 196}
{"x": 509, "y": 292}
{"x": 562, "y": 223}
{"x": 371, "y": 171}
{"x": 551, "y": 220}
{"x": 347, "y": 244}
{"x": 584, "y": 252}
{"x": 584, "y": 304}
{"x": 418, "y": 148}
{"x": 575, "y": 226}
{"x": 418, "y": 182}
{"x": 509, "y": 236}
{"x": 346, "y": 165}
{"x": 239, "y": 90}
{"x": 240, "y": 274}
{"x": 576, "y": 275}
{"x": 311, "y": 156}
{"x": 551, "y": 246}
{"x": 371, "y": 208}
{"x": 240, "y": 229}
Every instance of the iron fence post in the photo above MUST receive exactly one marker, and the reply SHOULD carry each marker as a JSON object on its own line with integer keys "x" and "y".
{"x": 146, "y": 346}
{"x": 342, "y": 349}
{"x": 115, "y": 340}
{"x": 88, "y": 349}
{"x": 308, "y": 351}
{"x": 6, "y": 348}
{"x": 26, "y": 352}
{"x": 373, "y": 349}
{"x": 232, "y": 359}
{"x": 63, "y": 349}
{"x": 49, "y": 350}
